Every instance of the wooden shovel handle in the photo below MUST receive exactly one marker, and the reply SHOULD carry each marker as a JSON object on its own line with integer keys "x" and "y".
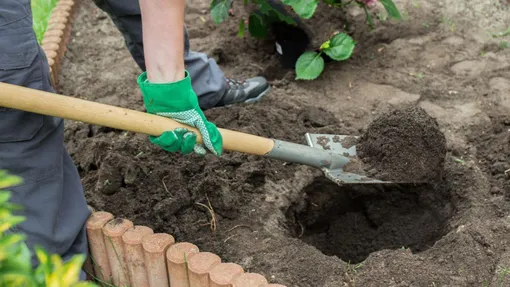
{"x": 45, "y": 103}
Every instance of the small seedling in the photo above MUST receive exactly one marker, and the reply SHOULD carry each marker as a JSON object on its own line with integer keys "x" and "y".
{"x": 449, "y": 22}
{"x": 503, "y": 272}
{"x": 354, "y": 268}
{"x": 311, "y": 64}
{"x": 501, "y": 34}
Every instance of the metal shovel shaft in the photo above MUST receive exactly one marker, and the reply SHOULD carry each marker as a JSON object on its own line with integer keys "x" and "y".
{"x": 302, "y": 154}
{"x": 330, "y": 163}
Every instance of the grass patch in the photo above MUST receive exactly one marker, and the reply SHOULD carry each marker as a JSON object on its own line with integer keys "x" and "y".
{"x": 41, "y": 10}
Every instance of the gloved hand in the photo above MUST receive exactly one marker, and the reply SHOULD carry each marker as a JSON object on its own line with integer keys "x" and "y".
{"x": 178, "y": 101}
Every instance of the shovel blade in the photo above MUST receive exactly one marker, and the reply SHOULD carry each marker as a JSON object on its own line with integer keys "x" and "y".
{"x": 343, "y": 145}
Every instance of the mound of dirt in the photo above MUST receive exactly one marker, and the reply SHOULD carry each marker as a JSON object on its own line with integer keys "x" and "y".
{"x": 403, "y": 145}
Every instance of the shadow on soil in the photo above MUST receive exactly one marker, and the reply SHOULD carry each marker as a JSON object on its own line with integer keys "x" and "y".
{"x": 352, "y": 222}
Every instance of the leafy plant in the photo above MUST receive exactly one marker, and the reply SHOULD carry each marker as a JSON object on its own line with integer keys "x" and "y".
{"x": 310, "y": 64}
{"x": 41, "y": 11}
{"x": 15, "y": 257}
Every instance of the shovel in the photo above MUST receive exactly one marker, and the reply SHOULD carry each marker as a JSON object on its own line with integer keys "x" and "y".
{"x": 324, "y": 152}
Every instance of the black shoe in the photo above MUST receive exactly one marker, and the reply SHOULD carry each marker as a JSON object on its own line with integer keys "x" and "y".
{"x": 248, "y": 91}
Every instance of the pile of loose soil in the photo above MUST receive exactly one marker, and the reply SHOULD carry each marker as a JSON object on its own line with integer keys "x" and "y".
{"x": 286, "y": 221}
{"x": 403, "y": 145}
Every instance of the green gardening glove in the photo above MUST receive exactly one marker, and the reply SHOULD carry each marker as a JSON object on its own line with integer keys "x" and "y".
{"x": 178, "y": 101}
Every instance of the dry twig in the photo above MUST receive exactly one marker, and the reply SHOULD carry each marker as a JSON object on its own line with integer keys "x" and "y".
{"x": 164, "y": 185}
{"x": 225, "y": 241}
{"x": 237, "y": 226}
{"x": 211, "y": 212}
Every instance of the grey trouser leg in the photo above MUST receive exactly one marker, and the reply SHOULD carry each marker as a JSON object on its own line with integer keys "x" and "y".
{"x": 32, "y": 146}
{"x": 207, "y": 79}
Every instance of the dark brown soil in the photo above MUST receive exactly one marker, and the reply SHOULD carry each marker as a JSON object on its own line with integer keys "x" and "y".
{"x": 403, "y": 145}
{"x": 353, "y": 222}
{"x": 286, "y": 221}
{"x": 493, "y": 144}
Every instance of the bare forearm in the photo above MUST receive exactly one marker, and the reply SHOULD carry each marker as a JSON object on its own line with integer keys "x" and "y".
{"x": 163, "y": 39}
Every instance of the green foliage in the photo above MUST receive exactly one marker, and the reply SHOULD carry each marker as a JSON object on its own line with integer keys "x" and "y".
{"x": 41, "y": 10}
{"x": 219, "y": 10}
{"x": 304, "y": 8}
{"x": 15, "y": 257}
{"x": 310, "y": 64}
{"x": 242, "y": 27}
{"x": 391, "y": 8}
{"x": 340, "y": 47}
{"x": 271, "y": 13}
{"x": 257, "y": 26}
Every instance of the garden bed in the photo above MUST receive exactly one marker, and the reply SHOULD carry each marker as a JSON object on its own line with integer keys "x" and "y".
{"x": 286, "y": 221}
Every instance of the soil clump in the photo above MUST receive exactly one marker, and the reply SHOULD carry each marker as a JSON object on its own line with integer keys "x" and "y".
{"x": 403, "y": 145}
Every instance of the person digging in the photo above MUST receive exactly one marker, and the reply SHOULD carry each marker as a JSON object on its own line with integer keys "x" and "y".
{"x": 209, "y": 83}
{"x": 32, "y": 145}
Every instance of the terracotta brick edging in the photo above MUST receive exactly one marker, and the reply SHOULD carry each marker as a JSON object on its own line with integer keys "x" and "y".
{"x": 57, "y": 34}
{"x": 135, "y": 256}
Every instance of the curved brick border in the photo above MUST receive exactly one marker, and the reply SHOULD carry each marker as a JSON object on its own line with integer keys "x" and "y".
{"x": 57, "y": 34}
{"x": 133, "y": 255}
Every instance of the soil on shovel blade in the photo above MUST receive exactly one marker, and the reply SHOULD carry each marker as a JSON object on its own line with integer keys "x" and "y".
{"x": 403, "y": 145}
{"x": 286, "y": 221}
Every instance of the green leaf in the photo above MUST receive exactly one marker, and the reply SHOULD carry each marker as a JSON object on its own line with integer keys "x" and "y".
{"x": 9, "y": 245}
{"x": 219, "y": 10}
{"x": 19, "y": 258}
{"x": 71, "y": 270}
{"x": 11, "y": 239}
{"x": 325, "y": 45}
{"x": 304, "y": 8}
{"x": 309, "y": 66}
{"x": 257, "y": 26}
{"x": 391, "y": 8}
{"x": 9, "y": 180}
{"x": 9, "y": 222}
{"x": 11, "y": 206}
{"x": 240, "y": 33}
{"x": 9, "y": 277}
{"x": 340, "y": 47}
{"x": 24, "y": 258}
{"x": 4, "y": 196}
{"x": 269, "y": 11}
